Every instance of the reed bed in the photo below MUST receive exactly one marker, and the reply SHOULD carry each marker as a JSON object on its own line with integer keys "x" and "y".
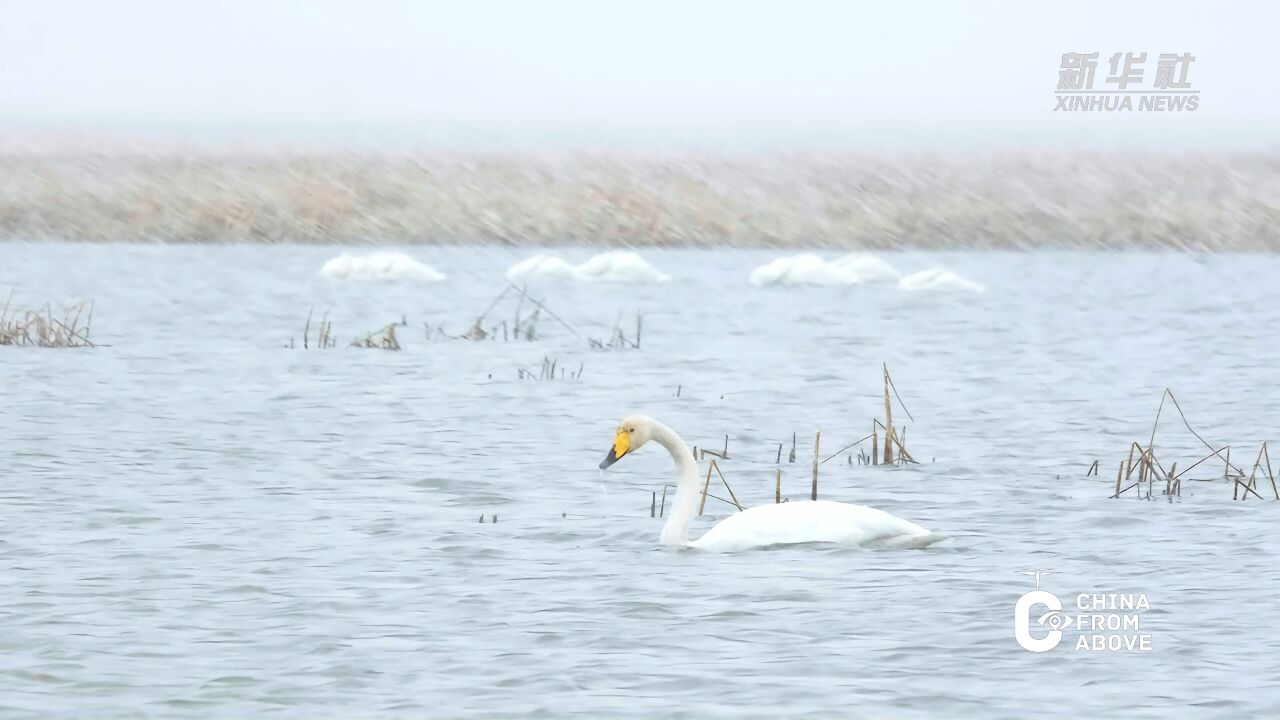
{"x": 41, "y": 328}
{"x": 383, "y": 339}
{"x": 1213, "y": 201}
{"x": 1152, "y": 473}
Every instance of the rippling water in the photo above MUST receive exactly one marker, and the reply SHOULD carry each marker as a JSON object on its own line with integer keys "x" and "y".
{"x": 200, "y": 522}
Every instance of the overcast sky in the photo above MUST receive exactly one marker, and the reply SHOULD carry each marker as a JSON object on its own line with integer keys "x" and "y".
{"x": 648, "y": 72}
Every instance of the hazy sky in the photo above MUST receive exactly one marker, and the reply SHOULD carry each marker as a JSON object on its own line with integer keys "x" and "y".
{"x": 651, "y": 72}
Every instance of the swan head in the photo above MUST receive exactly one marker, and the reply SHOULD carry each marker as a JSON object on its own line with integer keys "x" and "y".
{"x": 633, "y": 433}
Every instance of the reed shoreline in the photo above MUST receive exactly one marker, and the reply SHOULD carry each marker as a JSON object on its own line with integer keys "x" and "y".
{"x": 1026, "y": 201}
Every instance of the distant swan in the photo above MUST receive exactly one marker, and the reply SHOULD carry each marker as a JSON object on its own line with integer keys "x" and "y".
{"x": 763, "y": 525}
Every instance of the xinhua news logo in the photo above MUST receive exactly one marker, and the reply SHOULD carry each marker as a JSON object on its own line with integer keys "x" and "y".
{"x": 1101, "y": 622}
{"x": 1123, "y": 88}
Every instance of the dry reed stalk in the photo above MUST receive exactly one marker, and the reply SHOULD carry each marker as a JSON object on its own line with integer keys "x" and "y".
{"x": 1187, "y": 424}
{"x": 846, "y": 447}
{"x": 1193, "y": 465}
{"x": 1130, "y": 487}
{"x": 519, "y": 306}
{"x": 875, "y": 445}
{"x": 716, "y": 465}
{"x": 817, "y": 440}
{"x": 42, "y": 329}
{"x": 663, "y": 507}
{"x": 903, "y": 455}
{"x": 1252, "y": 473}
{"x": 540, "y": 307}
{"x": 706, "y": 486}
{"x": 888, "y": 420}
{"x": 1226, "y": 474}
{"x": 384, "y": 339}
{"x": 1119, "y": 472}
{"x": 1244, "y": 495}
{"x": 777, "y": 486}
{"x": 1151, "y": 478}
{"x": 1267, "y": 454}
{"x": 653, "y": 503}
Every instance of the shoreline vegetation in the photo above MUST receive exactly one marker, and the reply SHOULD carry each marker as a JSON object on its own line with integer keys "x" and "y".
{"x": 1011, "y": 200}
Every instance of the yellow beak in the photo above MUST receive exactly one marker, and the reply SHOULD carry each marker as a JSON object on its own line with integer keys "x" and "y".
{"x": 621, "y": 446}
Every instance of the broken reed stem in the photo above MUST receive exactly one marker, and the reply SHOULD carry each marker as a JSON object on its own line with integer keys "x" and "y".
{"x": 716, "y": 465}
{"x": 889, "y": 377}
{"x": 1206, "y": 457}
{"x": 662, "y": 507}
{"x": 888, "y": 419}
{"x": 493, "y": 304}
{"x": 875, "y": 445}
{"x": 653, "y": 504}
{"x": 1246, "y": 489}
{"x": 705, "y": 487}
{"x": 777, "y": 487}
{"x": 1187, "y": 423}
{"x": 891, "y": 437}
{"x": 1267, "y": 453}
{"x": 1130, "y": 487}
{"x": 541, "y": 307}
{"x": 846, "y": 447}
{"x": 519, "y": 305}
{"x": 1159, "y": 410}
{"x": 817, "y": 441}
{"x": 1119, "y": 472}
{"x": 1226, "y": 473}
{"x": 306, "y": 329}
{"x": 903, "y": 455}
{"x": 1252, "y": 473}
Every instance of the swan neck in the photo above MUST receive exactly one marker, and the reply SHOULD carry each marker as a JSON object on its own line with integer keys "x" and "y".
{"x": 676, "y": 529}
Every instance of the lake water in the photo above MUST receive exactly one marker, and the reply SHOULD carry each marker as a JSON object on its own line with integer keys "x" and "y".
{"x": 199, "y": 521}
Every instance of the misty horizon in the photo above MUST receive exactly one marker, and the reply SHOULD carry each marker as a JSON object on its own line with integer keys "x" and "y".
{"x": 570, "y": 75}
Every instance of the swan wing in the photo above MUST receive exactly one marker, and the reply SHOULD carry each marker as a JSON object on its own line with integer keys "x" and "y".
{"x": 813, "y": 521}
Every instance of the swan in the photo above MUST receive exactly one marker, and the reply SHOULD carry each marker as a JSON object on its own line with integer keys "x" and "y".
{"x": 763, "y": 525}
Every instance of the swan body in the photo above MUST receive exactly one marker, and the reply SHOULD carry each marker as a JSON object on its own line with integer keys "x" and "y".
{"x": 614, "y": 266}
{"x": 765, "y": 525}
{"x": 811, "y": 521}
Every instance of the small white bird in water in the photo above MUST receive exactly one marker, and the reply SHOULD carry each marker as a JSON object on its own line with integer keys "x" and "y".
{"x": 763, "y": 525}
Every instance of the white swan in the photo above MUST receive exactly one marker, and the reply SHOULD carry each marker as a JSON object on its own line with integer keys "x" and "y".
{"x": 763, "y": 525}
